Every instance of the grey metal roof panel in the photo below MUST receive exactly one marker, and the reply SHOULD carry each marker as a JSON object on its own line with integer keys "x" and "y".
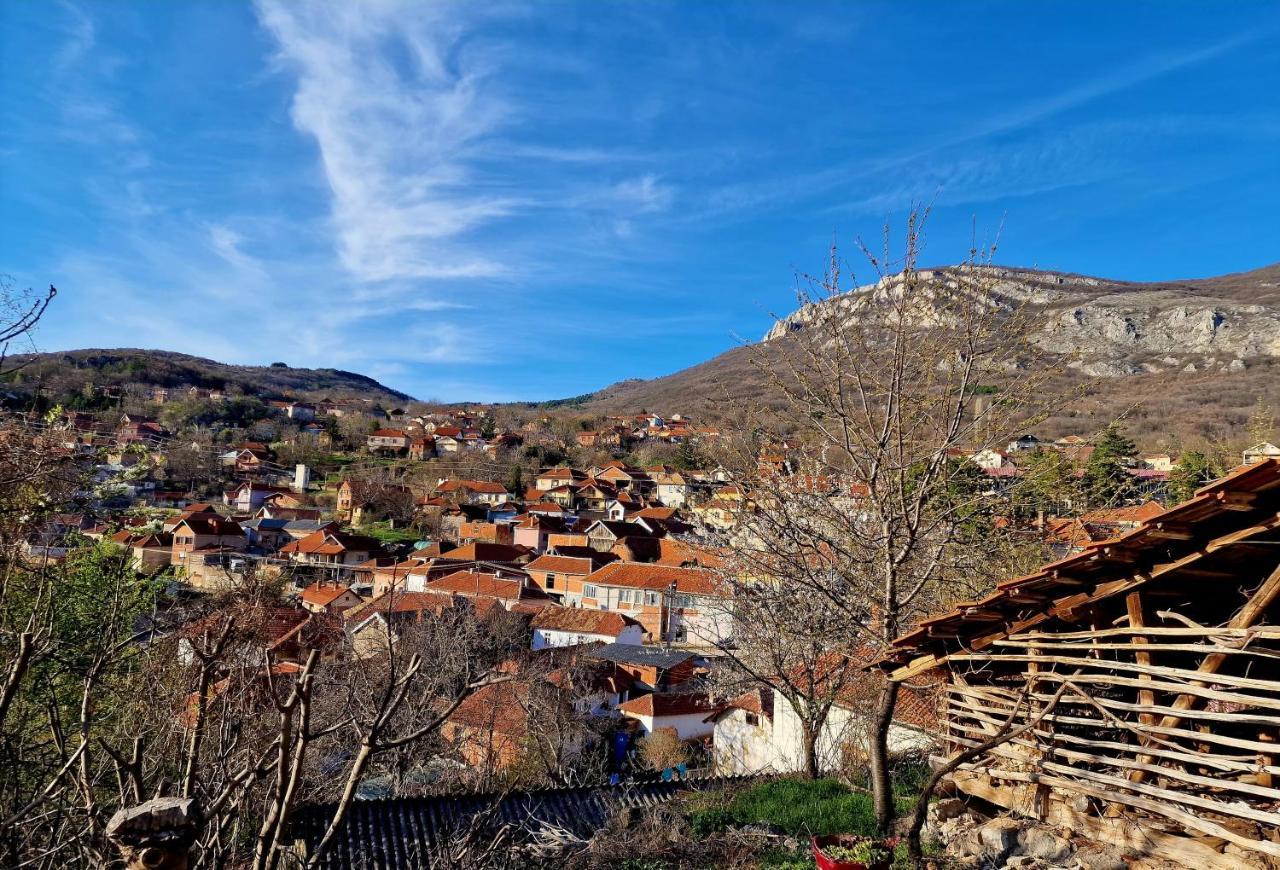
{"x": 405, "y": 832}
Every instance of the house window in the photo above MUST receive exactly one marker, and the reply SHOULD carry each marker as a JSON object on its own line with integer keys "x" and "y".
{"x": 652, "y": 598}
{"x": 684, "y": 601}
{"x": 588, "y": 591}
{"x": 624, "y": 596}
{"x": 551, "y": 581}
{"x": 753, "y": 719}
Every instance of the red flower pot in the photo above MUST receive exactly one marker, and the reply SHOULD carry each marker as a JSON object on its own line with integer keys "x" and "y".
{"x": 826, "y": 862}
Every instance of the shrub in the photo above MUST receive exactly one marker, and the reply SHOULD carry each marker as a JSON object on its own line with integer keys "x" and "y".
{"x": 663, "y": 749}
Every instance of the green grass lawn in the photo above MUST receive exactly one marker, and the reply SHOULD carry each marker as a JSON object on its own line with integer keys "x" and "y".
{"x": 801, "y": 808}
{"x": 387, "y": 535}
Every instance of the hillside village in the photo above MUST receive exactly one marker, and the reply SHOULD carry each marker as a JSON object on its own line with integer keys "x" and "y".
{"x": 608, "y": 565}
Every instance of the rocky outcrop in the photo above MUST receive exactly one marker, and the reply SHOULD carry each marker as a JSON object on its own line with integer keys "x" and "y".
{"x": 1107, "y": 328}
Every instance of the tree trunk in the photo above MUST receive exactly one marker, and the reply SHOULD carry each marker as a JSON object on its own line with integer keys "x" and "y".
{"x": 878, "y": 755}
{"x": 809, "y": 743}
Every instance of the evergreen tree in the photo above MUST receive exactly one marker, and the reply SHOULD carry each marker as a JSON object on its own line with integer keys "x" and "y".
{"x": 1194, "y": 470}
{"x": 687, "y": 457}
{"x": 1262, "y": 423}
{"x": 1049, "y": 482}
{"x": 515, "y": 483}
{"x": 1107, "y": 480}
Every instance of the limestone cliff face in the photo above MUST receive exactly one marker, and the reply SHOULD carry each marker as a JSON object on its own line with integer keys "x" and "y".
{"x": 1112, "y": 328}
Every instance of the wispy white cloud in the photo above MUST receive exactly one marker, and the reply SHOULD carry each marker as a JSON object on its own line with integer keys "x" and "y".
{"x": 396, "y": 105}
{"x": 646, "y": 193}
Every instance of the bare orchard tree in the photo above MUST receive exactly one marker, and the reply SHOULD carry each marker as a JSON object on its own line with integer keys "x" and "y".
{"x": 873, "y": 519}
{"x": 786, "y": 640}
{"x": 247, "y": 709}
{"x": 20, "y": 312}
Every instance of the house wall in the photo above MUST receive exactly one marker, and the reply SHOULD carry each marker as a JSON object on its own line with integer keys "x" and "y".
{"x": 148, "y": 560}
{"x": 673, "y": 495}
{"x": 544, "y": 638}
{"x": 709, "y": 623}
{"x": 741, "y": 748}
{"x": 687, "y": 726}
{"x": 844, "y": 732}
{"x": 534, "y": 539}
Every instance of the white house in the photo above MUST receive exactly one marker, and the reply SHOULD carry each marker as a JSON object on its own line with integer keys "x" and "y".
{"x": 685, "y": 713}
{"x": 759, "y": 732}
{"x": 1024, "y": 442}
{"x": 990, "y": 458}
{"x": 673, "y": 489}
{"x": 1259, "y": 452}
{"x": 567, "y": 626}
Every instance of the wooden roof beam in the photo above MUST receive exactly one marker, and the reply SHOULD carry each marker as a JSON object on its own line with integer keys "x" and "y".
{"x": 1238, "y": 501}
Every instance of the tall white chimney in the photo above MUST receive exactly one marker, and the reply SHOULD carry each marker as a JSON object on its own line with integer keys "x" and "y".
{"x": 301, "y": 478}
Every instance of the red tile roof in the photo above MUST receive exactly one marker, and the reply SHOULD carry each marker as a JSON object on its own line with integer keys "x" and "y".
{"x": 582, "y": 621}
{"x": 639, "y": 575}
{"x": 322, "y": 593}
{"x": 560, "y": 565}
{"x": 664, "y": 704}
{"x": 210, "y": 524}
{"x": 472, "y": 583}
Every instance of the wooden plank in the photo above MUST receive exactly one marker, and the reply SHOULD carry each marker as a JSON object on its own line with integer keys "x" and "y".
{"x": 1254, "y": 609}
{"x": 1259, "y": 632}
{"x": 927, "y": 662}
{"x": 1140, "y": 838}
{"x": 1225, "y": 763}
{"x": 1154, "y": 670}
{"x": 1160, "y": 807}
{"x": 1205, "y": 782}
{"x": 1178, "y": 733}
{"x": 1133, "y": 607}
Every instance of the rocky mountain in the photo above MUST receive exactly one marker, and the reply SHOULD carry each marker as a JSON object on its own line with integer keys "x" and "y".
{"x": 66, "y": 372}
{"x": 1116, "y": 328}
{"x": 1179, "y": 359}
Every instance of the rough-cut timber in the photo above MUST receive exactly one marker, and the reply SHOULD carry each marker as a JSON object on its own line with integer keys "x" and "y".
{"x": 1164, "y": 739}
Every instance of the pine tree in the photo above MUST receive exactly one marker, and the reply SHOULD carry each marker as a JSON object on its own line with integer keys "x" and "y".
{"x": 1049, "y": 482}
{"x": 1107, "y": 480}
{"x": 1194, "y": 470}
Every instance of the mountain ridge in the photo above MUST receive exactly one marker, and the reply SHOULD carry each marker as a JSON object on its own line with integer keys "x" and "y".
{"x": 105, "y": 367}
{"x": 1187, "y": 356}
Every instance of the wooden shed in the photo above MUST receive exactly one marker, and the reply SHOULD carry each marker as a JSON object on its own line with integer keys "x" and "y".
{"x": 1157, "y": 654}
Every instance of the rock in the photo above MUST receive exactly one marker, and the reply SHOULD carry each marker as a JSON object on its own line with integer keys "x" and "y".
{"x": 968, "y": 844}
{"x": 999, "y": 836}
{"x": 1044, "y": 844}
{"x": 1100, "y": 859}
{"x": 950, "y": 808}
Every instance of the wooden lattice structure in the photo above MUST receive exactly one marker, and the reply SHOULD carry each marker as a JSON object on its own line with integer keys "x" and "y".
{"x": 1157, "y": 654}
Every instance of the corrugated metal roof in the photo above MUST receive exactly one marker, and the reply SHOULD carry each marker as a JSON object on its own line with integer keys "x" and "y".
{"x": 404, "y": 832}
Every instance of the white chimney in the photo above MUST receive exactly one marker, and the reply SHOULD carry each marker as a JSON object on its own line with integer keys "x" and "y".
{"x": 301, "y": 478}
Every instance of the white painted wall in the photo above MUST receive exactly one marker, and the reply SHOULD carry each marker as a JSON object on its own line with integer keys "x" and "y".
{"x": 687, "y": 725}
{"x": 543, "y": 638}
{"x": 741, "y": 748}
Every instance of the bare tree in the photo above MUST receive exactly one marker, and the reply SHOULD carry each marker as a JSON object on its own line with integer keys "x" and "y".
{"x": 881, "y": 390}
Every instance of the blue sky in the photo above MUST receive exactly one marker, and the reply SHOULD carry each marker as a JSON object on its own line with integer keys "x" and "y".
{"x": 502, "y": 201}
